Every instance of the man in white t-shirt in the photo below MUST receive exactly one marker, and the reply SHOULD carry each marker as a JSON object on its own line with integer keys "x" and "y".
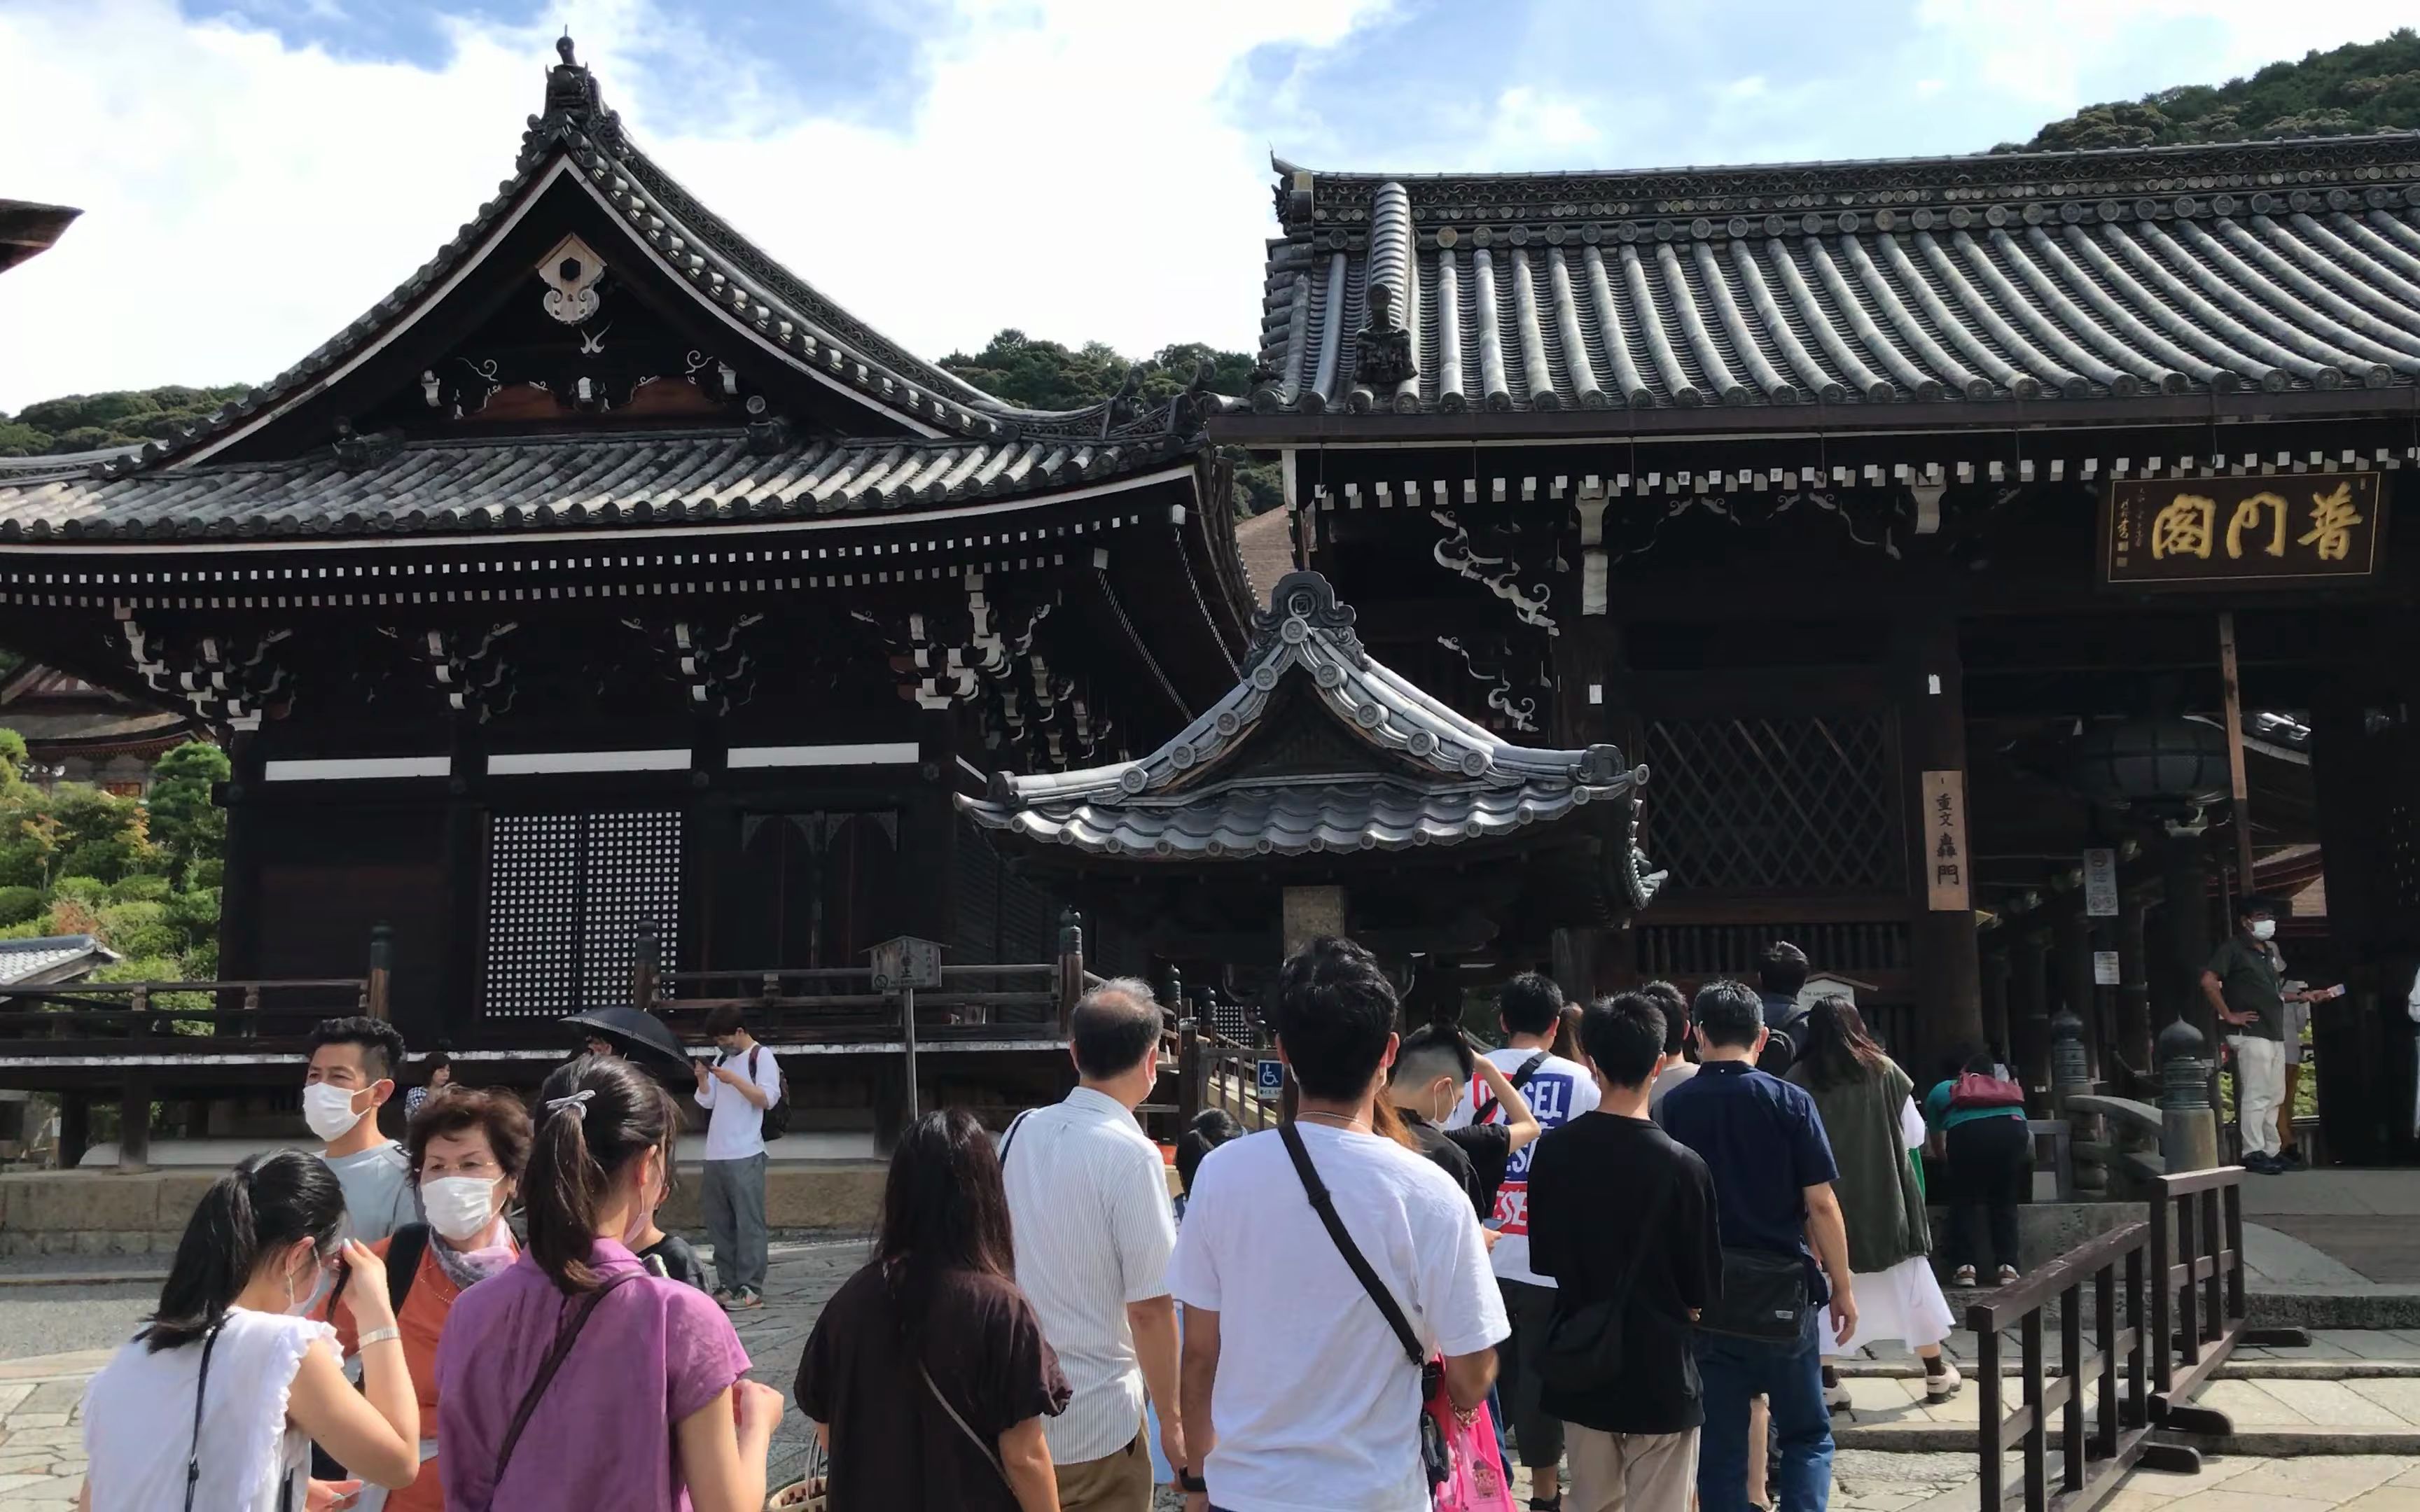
{"x": 1296, "y": 1395}
{"x": 1529, "y": 1007}
{"x": 736, "y": 1091}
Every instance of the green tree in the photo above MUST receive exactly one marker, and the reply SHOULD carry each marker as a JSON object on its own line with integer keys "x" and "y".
{"x": 185, "y": 825}
{"x": 88, "y": 422}
{"x": 2362, "y": 86}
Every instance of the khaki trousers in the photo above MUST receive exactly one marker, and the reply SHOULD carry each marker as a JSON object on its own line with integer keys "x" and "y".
{"x": 1630, "y": 1472}
{"x": 1119, "y": 1482}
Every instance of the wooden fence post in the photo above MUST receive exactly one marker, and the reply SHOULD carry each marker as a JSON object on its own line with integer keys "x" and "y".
{"x": 1188, "y": 1074}
{"x": 644, "y": 986}
{"x": 382, "y": 970}
{"x": 1070, "y": 964}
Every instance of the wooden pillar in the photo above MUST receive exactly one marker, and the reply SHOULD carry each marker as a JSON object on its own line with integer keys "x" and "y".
{"x": 135, "y": 1122}
{"x": 1932, "y": 724}
{"x": 464, "y": 857}
{"x": 240, "y": 860}
{"x": 2132, "y": 1028}
{"x": 1994, "y": 971}
{"x": 2071, "y": 939}
{"x": 709, "y": 853}
{"x": 2185, "y": 874}
{"x": 2028, "y": 1047}
{"x": 75, "y": 1128}
{"x": 381, "y": 975}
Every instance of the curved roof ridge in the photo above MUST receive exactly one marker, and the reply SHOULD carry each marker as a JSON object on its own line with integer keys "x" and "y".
{"x": 728, "y": 270}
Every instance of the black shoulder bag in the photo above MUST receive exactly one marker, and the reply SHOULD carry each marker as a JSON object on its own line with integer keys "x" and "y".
{"x": 564, "y": 1337}
{"x": 1585, "y": 1345}
{"x": 1520, "y": 1080}
{"x": 194, "y": 1456}
{"x": 1436, "y": 1461}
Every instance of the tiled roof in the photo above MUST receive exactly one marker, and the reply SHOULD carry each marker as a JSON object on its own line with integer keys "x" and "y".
{"x": 1431, "y": 777}
{"x": 2042, "y": 276}
{"x": 535, "y": 483}
{"x": 725, "y": 268}
{"x": 53, "y": 957}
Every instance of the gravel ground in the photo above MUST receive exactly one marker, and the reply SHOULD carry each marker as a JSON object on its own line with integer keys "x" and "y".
{"x": 55, "y": 1319}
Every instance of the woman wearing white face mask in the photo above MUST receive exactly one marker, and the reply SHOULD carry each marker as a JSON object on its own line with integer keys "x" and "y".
{"x": 216, "y": 1402}
{"x": 468, "y": 1146}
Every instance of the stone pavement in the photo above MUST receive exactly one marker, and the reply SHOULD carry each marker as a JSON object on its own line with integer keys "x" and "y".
{"x": 2351, "y": 1389}
{"x": 2335, "y": 1228}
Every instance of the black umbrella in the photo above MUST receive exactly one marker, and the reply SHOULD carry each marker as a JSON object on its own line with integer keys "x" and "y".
{"x": 640, "y": 1037}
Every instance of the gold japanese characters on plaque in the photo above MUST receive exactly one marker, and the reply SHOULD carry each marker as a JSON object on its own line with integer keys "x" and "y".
{"x": 2284, "y": 529}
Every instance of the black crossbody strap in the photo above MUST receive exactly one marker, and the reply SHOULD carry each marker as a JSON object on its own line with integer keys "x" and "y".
{"x": 1520, "y": 1080}
{"x": 201, "y": 1384}
{"x": 1009, "y": 1138}
{"x": 564, "y": 1338}
{"x": 1324, "y": 1206}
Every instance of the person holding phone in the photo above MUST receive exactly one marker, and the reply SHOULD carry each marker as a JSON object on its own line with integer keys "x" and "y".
{"x": 2244, "y": 983}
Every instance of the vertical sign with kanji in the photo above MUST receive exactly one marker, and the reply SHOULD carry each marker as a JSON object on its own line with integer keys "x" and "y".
{"x": 2100, "y": 883}
{"x": 1947, "y": 869}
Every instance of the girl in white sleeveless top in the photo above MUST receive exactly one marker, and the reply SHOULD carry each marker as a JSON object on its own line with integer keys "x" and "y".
{"x": 161, "y": 1438}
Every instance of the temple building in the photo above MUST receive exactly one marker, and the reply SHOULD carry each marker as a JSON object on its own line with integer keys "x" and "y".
{"x": 1923, "y": 527}
{"x": 1974, "y": 570}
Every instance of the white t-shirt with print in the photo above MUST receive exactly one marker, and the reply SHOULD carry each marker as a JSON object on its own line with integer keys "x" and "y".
{"x": 1558, "y": 1091}
{"x": 734, "y": 1127}
{"x": 1316, "y": 1404}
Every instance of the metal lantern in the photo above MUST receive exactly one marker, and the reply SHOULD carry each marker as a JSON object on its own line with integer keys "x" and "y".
{"x": 2164, "y": 769}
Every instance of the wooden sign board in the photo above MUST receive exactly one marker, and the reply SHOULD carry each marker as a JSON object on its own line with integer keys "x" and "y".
{"x": 2287, "y": 530}
{"x": 2100, "y": 883}
{"x": 906, "y": 963}
{"x": 1948, "y": 870}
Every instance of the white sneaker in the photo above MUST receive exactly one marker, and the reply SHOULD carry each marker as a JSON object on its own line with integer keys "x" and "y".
{"x": 1944, "y": 1385}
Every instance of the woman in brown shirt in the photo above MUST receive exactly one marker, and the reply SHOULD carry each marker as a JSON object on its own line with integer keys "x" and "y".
{"x": 927, "y": 1374}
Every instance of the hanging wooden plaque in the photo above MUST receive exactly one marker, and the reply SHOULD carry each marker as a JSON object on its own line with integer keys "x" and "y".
{"x": 1947, "y": 871}
{"x": 2285, "y": 530}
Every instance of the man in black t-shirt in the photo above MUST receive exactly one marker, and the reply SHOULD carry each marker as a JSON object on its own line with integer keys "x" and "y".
{"x": 1619, "y": 1210}
{"x": 1431, "y": 1068}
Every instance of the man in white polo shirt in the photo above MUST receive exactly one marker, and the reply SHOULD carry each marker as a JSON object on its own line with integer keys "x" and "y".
{"x": 736, "y": 1091}
{"x": 1088, "y": 1199}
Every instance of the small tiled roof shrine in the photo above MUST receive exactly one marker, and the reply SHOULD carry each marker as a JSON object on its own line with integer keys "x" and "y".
{"x": 1359, "y": 760}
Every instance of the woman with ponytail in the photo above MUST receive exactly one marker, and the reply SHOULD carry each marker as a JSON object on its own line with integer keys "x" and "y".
{"x": 216, "y": 1403}
{"x": 576, "y": 1380}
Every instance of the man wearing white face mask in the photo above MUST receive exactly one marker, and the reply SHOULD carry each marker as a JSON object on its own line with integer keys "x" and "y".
{"x": 2244, "y": 985}
{"x": 353, "y": 1062}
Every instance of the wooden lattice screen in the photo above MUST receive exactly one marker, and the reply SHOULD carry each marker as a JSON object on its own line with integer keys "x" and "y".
{"x": 565, "y": 896}
{"x": 1793, "y": 804}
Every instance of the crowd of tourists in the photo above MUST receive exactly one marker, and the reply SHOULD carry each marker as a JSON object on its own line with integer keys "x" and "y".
{"x": 1618, "y": 1249}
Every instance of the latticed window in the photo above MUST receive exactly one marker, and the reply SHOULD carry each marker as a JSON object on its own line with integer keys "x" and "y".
{"x": 565, "y": 896}
{"x": 1793, "y": 804}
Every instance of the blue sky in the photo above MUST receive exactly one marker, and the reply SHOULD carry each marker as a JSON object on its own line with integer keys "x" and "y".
{"x": 256, "y": 173}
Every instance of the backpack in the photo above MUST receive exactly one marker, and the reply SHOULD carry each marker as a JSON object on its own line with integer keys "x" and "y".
{"x": 777, "y": 1113}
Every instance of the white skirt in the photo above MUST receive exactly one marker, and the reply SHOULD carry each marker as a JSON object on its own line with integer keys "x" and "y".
{"x": 1901, "y": 1304}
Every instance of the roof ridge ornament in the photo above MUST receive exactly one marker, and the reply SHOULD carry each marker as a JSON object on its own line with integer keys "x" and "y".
{"x": 572, "y": 98}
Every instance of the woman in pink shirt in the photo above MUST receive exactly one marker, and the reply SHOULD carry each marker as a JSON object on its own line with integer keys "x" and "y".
{"x": 577, "y": 1380}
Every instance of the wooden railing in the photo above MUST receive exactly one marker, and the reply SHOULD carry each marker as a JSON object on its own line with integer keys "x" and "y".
{"x": 2166, "y": 1308}
{"x": 66, "y": 1021}
{"x": 1213, "y": 1072}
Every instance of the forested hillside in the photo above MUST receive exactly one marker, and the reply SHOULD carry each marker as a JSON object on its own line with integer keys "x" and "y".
{"x": 2362, "y": 86}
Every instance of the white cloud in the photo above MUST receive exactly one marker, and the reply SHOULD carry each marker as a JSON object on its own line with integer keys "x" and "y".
{"x": 1072, "y": 167}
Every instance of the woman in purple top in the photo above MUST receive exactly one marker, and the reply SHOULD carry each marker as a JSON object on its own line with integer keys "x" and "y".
{"x": 650, "y": 1410}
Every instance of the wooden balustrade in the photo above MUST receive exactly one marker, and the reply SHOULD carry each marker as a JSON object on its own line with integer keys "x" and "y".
{"x": 2166, "y": 1308}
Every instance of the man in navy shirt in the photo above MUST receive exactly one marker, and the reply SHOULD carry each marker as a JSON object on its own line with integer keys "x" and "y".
{"x": 1773, "y": 1170}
